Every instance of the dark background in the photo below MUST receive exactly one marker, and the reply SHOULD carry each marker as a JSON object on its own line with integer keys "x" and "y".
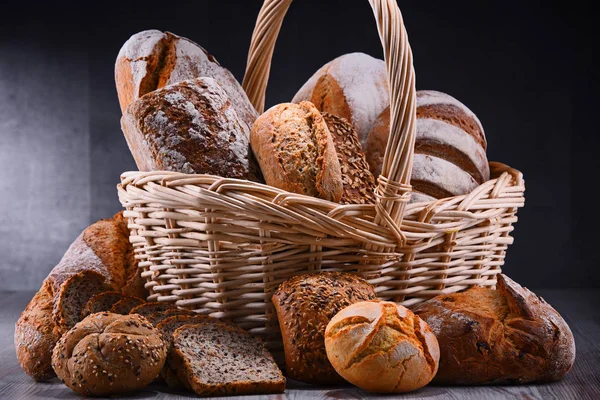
{"x": 527, "y": 69}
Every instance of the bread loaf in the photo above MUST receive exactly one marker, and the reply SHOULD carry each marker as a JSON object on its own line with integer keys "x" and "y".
{"x": 503, "y": 336}
{"x": 189, "y": 127}
{"x": 125, "y": 305}
{"x": 353, "y": 86}
{"x": 101, "y": 302}
{"x": 103, "y": 248}
{"x": 450, "y": 147}
{"x": 151, "y": 59}
{"x": 382, "y": 347}
{"x": 222, "y": 359}
{"x": 108, "y": 354}
{"x": 295, "y": 151}
{"x": 358, "y": 181}
{"x": 305, "y": 304}
{"x": 151, "y": 307}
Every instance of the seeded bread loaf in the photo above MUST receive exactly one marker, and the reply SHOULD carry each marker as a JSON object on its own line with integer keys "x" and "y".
{"x": 125, "y": 305}
{"x": 358, "y": 181}
{"x": 295, "y": 151}
{"x": 450, "y": 147}
{"x": 73, "y": 296}
{"x": 151, "y": 307}
{"x": 305, "y": 304}
{"x": 108, "y": 354}
{"x": 167, "y": 328}
{"x": 189, "y": 127}
{"x": 151, "y": 59}
{"x": 222, "y": 359}
{"x": 103, "y": 248}
{"x": 503, "y": 336}
{"x": 382, "y": 347}
{"x": 353, "y": 86}
{"x": 101, "y": 302}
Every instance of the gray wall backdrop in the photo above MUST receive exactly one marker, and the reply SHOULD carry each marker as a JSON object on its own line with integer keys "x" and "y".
{"x": 527, "y": 70}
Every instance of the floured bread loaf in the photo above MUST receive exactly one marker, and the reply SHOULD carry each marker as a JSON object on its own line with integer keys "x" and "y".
{"x": 450, "y": 148}
{"x": 151, "y": 59}
{"x": 353, "y": 86}
{"x": 189, "y": 127}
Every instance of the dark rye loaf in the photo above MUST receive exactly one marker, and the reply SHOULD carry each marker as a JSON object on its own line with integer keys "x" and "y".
{"x": 189, "y": 127}
{"x": 222, "y": 359}
{"x": 305, "y": 304}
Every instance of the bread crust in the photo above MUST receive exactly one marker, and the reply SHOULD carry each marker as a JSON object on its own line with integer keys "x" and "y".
{"x": 295, "y": 151}
{"x": 189, "y": 127}
{"x": 382, "y": 347}
{"x": 108, "y": 354}
{"x": 353, "y": 86}
{"x": 358, "y": 181}
{"x": 151, "y": 59}
{"x": 503, "y": 336}
{"x": 103, "y": 248}
{"x": 305, "y": 304}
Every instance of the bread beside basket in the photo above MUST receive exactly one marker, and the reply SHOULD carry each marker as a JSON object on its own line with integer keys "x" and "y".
{"x": 222, "y": 246}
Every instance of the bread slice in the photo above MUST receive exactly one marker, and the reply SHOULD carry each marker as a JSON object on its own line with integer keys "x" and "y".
{"x": 73, "y": 295}
{"x": 167, "y": 327}
{"x": 126, "y": 304}
{"x": 101, "y": 302}
{"x": 222, "y": 359}
{"x": 156, "y": 317}
{"x": 151, "y": 307}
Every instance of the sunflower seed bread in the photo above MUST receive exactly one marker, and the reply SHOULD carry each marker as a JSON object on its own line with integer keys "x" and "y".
{"x": 108, "y": 354}
{"x": 305, "y": 304}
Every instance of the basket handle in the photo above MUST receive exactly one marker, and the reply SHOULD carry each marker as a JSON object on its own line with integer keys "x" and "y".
{"x": 393, "y": 189}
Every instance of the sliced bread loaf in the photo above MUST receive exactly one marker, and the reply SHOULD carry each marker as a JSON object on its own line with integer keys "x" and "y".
{"x": 150, "y": 307}
{"x": 125, "y": 305}
{"x": 101, "y": 302}
{"x": 222, "y": 359}
{"x": 73, "y": 295}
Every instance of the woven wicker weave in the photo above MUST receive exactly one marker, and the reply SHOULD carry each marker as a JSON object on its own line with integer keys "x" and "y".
{"x": 222, "y": 246}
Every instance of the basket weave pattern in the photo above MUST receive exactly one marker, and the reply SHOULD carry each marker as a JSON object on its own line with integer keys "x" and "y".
{"x": 222, "y": 246}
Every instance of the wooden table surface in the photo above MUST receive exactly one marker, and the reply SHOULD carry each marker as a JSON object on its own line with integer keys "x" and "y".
{"x": 580, "y": 308}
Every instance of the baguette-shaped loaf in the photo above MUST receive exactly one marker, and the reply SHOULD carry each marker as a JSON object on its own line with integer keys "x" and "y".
{"x": 189, "y": 127}
{"x": 152, "y": 59}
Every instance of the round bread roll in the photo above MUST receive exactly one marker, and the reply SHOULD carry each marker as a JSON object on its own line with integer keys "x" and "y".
{"x": 108, "y": 354}
{"x": 353, "y": 86}
{"x": 295, "y": 151}
{"x": 152, "y": 59}
{"x": 450, "y": 147}
{"x": 382, "y": 347}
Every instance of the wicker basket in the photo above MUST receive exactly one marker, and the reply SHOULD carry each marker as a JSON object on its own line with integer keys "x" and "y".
{"x": 222, "y": 246}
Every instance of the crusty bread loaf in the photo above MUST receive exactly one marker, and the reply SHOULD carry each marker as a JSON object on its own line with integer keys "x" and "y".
{"x": 353, "y": 86}
{"x": 125, "y": 305}
{"x": 104, "y": 248}
{"x": 151, "y": 59}
{"x": 222, "y": 359}
{"x": 295, "y": 151}
{"x": 189, "y": 127}
{"x": 108, "y": 354}
{"x": 101, "y": 302}
{"x": 503, "y": 336}
{"x": 450, "y": 147}
{"x": 358, "y": 181}
{"x": 74, "y": 293}
{"x": 382, "y": 347}
{"x": 305, "y": 304}
{"x": 35, "y": 336}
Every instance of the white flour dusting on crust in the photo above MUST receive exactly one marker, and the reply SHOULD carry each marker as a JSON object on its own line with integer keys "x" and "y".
{"x": 442, "y": 174}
